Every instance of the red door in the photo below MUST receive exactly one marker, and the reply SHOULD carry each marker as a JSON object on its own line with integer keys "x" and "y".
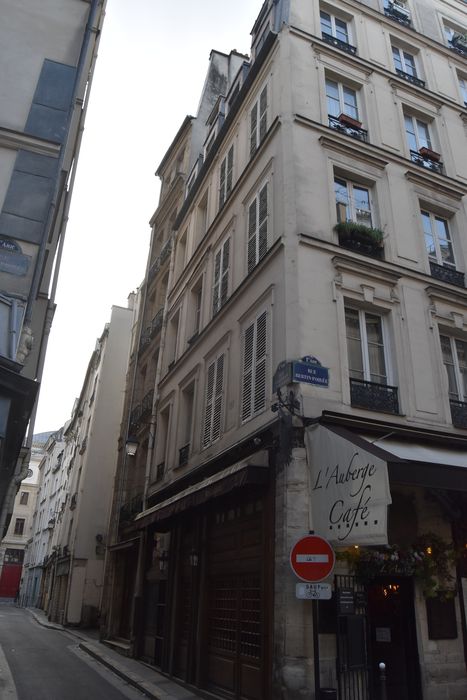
{"x": 10, "y": 580}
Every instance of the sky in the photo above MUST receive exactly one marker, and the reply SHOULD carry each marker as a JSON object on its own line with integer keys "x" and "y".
{"x": 153, "y": 58}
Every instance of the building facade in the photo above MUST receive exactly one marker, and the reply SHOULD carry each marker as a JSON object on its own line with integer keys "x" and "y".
{"x": 66, "y": 556}
{"x": 49, "y": 52}
{"x": 301, "y": 367}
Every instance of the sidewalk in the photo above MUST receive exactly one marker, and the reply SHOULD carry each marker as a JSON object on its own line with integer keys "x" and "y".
{"x": 143, "y": 678}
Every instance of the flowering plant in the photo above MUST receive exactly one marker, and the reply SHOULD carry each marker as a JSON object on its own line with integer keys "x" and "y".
{"x": 429, "y": 560}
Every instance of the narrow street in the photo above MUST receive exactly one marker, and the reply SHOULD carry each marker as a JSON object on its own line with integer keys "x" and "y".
{"x": 47, "y": 664}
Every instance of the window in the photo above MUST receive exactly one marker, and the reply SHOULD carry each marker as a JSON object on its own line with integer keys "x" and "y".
{"x": 188, "y": 397}
{"x": 418, "y": 133}
{"x": 365, "y": 346}
{"x": 352, "y": 202}
{"x": 221, "y": 276}
{"x": 258, "y": 228}
{"x": 456, "y": 39}
{"x": 455, "y": 361}
{"x": 172, "y": 339}
{"x": 225, "y": 177}
{"x": 404, "y": 61}
{"x": 197, "y": 307}
{"x": 254, "y": 374}
{"x": 438, "y": 239}
{"x": 19, "y": 526}
{"x": 213, "y": 401}
{"x": 333, "y": 26}
{"x": 23, "y": 499}
{"x": 162, "y": 442}
{"x": 463, "y": 89}
{"x": 341, "y": 99}
{"x": 258, "y": 121}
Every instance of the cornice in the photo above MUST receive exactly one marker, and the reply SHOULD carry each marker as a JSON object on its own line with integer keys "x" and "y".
{"x": 369, "y": 269}
{"x": 16, "y": 140}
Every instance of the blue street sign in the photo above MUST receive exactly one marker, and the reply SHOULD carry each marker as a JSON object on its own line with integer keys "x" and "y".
{"x": 310, "y": 374}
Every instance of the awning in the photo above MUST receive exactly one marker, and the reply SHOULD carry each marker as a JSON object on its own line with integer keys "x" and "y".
{"x": 422, "y": 464}
{"x": 225, "y": 481}
{"x": 127, "y": 544}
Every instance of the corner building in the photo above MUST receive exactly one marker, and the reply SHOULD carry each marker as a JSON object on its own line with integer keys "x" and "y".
{"x": 308, "y": 255}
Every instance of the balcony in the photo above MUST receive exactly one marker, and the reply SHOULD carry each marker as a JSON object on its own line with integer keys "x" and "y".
{"x": 458, "y": 43}
{"x": 183, "y": 455}
{"x": 130, "y": 509}
{"x": 398, "y": 13}
{"x": 339, "y": 44}
{"x": 427, "y": 158}
{"x": 135, "y": 418}
{"x": 359, "y": 238}
{"x": 374, "y": 396}
{"x": 458, "y": 413}
{"x": 146, "y": 404}
{"x": 447, "y": 274}
{"x": 348, "y": 126}
{"x": 160, "y": 469}
{"x": 160, "y": 260}
{"x": 410, "y": 78}
{"x": 156, "y": 323}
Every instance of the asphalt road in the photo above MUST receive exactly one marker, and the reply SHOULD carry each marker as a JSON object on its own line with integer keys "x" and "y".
{"x": 37, "y": 663}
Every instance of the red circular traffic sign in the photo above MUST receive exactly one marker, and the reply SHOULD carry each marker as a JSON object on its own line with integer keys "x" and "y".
{"x": 312, "y": 558}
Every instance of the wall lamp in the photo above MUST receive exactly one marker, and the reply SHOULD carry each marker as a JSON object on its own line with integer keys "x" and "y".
{"x": 131, "y": 446}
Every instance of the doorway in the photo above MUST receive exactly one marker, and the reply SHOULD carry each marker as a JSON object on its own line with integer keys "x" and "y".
{"x": 393, "y": 638}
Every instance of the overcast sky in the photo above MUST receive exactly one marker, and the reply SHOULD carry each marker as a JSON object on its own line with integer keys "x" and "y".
{"x": 153, "y": 58}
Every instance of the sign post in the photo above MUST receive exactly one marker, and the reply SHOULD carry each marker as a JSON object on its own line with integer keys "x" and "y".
{"x": 312, "y": 559}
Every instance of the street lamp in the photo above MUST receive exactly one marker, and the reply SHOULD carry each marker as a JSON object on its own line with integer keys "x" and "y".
{"x": 131, "y": 446}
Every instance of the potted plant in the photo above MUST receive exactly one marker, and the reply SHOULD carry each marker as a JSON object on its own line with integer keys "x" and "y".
{"x": 460, "y": 41}
{"x": 429, "y": 154}
{"x": 359, "y": 237}
{"x": 347, "y": 120}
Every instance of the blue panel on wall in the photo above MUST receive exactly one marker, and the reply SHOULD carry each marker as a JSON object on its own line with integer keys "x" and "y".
{"x": 21, "y": 228}
{"x": 36, "y": 164}
{"x": 55, "y": 85}
{"x": 28, "y": 196}
{"x": 47, "y": 123}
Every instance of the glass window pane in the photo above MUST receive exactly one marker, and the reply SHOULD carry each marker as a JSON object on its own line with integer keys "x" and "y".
{"x": 423, "y": 135}
{"x": 410, "y": 131}
{"x": 448, "y": 360}
{"x": 397, "y": 58}
{"x": 374, "y": 332}
{"x": 350, "y": 102}
{"x": 444, "y": 240}
{"x": 354, "y": 346}
{"x": 332, "y": 94}
{"x": 342, "y": 200}
{"x": 362, "y": 205}
{"x": 409, "y": 64}
{"x": 341, "y": 30}
{"x": 326, "y": 26}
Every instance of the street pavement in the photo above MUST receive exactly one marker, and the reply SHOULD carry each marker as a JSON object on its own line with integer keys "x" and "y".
{"x": 44, "y": 661}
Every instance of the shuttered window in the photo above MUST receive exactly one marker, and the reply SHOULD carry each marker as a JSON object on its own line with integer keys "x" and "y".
{"x": 258, "y": 228}
{"x": 214, "y": 393}
{"x": 255, "y": 375}
{"x": 221, "y": 276}
{"x": 258, "y": 121}
{"x": 226, "y": 177}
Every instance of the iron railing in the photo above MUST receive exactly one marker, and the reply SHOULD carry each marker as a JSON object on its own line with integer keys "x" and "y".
{"x": 353, "y": 131}
{"x": 410, "y": 78}
{"x": 160, "y": 469}
{"x": 425, "y": 162}
{"x": 458, "y": 413}
{"x": 183, "y": 455}
{"x": 374, "y": 396}
{"x": 338, "y": 43}
{"x": 130, "y": 509}
{"x": 398, "y": 14}
{"x": 447, "y": 274}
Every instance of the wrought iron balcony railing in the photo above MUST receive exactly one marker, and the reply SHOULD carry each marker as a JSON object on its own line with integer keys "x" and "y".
{"x": 374, "y": 396}
{"x": 160, "y": 260}
{"x": 410, "y": 78}
{"x": 447, "y": 274}
{"x": 156, "y": 323}
{"x": 348, "y": 129}
{"x": 183, "y": 455}
{"x": 426, "y": 162}
{"x": 338, "y": 43}
{"x": 146, "y": 404}
{"x": 130, "y": 509}
{"x": 459, "y": 413}
{"x": 398, "y": 14}
{"x": 459, "y": 45}
{"x": 160, "y": 469}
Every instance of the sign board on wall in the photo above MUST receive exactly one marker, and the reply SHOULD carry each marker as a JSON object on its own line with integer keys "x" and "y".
{"x": 349, "y": 489}
{"x": 308, "y": 370}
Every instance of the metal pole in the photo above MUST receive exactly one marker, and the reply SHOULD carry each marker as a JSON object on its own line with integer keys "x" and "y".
{"x": 382, "y": 681}
{"x": 314, "y": 609}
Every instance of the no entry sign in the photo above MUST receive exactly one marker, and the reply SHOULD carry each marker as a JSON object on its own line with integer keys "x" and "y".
{"x": 312, "y": 558}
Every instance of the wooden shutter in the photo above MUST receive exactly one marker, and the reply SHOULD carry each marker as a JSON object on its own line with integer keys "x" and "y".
{"x": 263, "y": 114}
{"x": 252, "y": 234}
{"x": 254, "y": 384}
{"x": 214, "y": 395}
{"x": 224, "y": 277}
{"x": 216, "y": 285}
{"x": 263, "y": 223}
{"x": 229, "y": 172}
{"x": 253, "y": 128}
{"x": 222, "y": 177}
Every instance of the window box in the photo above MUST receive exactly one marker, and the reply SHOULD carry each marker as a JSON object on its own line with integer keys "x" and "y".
{"x": 363, "y": 239}
{"x": 429, "y": 154}
{"x": 349, "y": 121}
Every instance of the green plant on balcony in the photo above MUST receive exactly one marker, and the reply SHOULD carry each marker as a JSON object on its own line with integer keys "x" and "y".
{"x": 365, "y": 239}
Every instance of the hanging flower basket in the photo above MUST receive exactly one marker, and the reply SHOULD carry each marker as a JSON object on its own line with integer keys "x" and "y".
{"x": 428, "y": 153}
{"x": 429, "y": 560}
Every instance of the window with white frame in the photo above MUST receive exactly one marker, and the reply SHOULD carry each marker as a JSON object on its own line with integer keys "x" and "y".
{"x": 226, "y": 177}
{"x": 418, "y": 133}
{"x": 404, "y": 61}
{"x": 333, "y": 26}
{"x": 366, "y": 351}
{"x": 220, "y": 290}
{"x": 456, "y": 37}
{"x": 212, "y": 425}
{"x": 353, "y": 202}
{"x": 463, "y": 89}
{"x": 438, "y": 241}
{"x": 255, "y": 367}
{"x": 196, "y": 308}
{"x": 258, "y": 214}
{"x": 258, "y": 120}
{"x": 341, "y": 99}
{"x": 455, "y": 361}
